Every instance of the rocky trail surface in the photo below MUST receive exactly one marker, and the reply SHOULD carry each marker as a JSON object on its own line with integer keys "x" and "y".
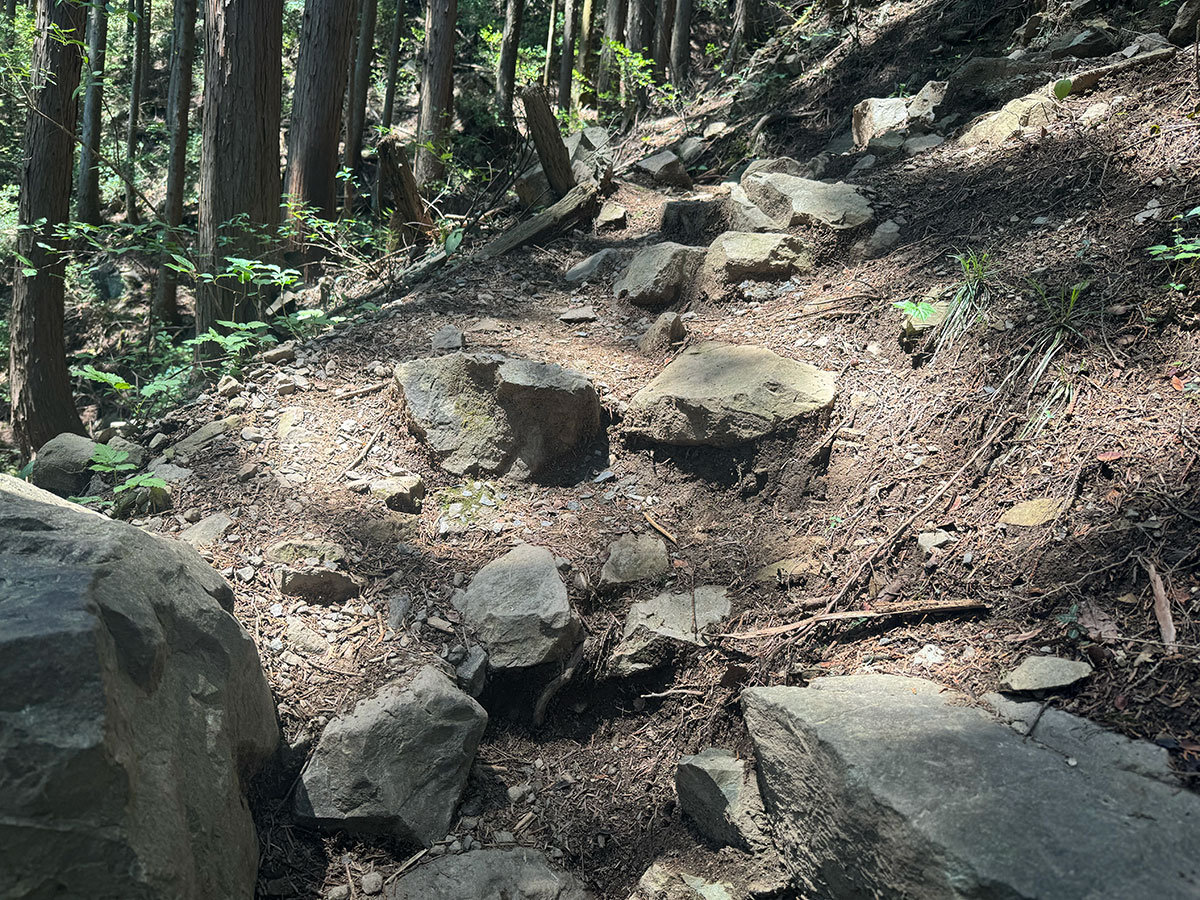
{"x": 811, "y": 533}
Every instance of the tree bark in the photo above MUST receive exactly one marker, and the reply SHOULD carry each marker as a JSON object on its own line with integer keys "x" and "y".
{"x": 389, "y": 95}
{"x": 550, "y": 30}
{"x": 87, "y": 199}
{"x": 506, "y": 70}
{"x": 681, "y": 44}
{"x": 357, "y": 113}
{"x": 584, "y": 58}
{"x": 321, "y": 75}
{"x": 179, "y": 101}
{"x": 551, "y": 151}
{"x": 437, "y": 88}
{"x": 239, "y": 157}
{"x": 409, "y": 219}
{"x": 42, "y": 403}
{"x": 614, "y": 30}
{"x": 638, "y": 30}
{"x": 664, "y": 25}
{"x": 566, "y": 64}
{"x": 744, "y": 17}
{"x": 136, "y": 79}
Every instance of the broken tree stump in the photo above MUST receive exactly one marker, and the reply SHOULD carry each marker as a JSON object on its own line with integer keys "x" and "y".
{"x": 410, "y": 220}
{"x": 551, "y": 151}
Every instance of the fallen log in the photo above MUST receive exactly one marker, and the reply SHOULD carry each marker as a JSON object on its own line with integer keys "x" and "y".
{"x": 579, "y": 205}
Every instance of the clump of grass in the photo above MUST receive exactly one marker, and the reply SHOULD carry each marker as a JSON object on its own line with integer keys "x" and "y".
{"x": 970, "y": 301}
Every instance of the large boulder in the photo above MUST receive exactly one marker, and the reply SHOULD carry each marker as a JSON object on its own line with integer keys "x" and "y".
{"x": 878, "y": 115}
{"x": 656, "y": 628}
{"x": 62, "y": 465}
{"x": 666, "y": 168}
{"x": 1030, "y": 111}
{"x": 659, "y": 275}
{"x": 484, "y": 414}
{"x": 736, "y": 256}
{"x": 396, "y": 764}
{"x": 722, "y": 395}
{"x": 493, "y": 874}
{"x": 134, "y": 712}
{"x": 518, "y": 607}
{"x": 1183, "y": 31}
{"x": 801, "y": 201}
{"x": 743, "y": 215}
{"x": 942, "y": 800}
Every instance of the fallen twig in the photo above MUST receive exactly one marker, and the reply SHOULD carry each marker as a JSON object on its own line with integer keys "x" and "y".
{"x": 362, "y": 392}
{"x": 1162, "y": 608}
{"x": 896, "y": 611}
{"x": 365, "y": 450}
{"x": 653, "y": 524}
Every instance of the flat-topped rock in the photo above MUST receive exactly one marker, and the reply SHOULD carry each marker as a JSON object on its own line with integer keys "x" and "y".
{"x": 1045, "y": 673}
{"x": 656, "y": 628}
{"x": 517, "y": 873}
{"x": 666, "y": 168}
{"x": 722, "y": 395}
{"x": 481, "y": 413}
{"x": 633, "y": 558}
{"x": 940, "y": 799}
{"x": 659, "y": 274}
{"x": 800, "y": 201}
{"x": 736, "y": 255}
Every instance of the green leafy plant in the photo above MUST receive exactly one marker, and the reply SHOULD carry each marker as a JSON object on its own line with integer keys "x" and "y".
{"x": 142, "y": 480}
{"x": 108, "y": 461}
{"x": 1062, "y": 89}
{"x": 918, "y": 310}
{"x": 1182, "y": 255}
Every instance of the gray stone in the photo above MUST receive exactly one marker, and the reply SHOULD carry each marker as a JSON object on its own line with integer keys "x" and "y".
{"x": 883, "y": 239}
{"x": 403, "y": 493}
{"x": 447, "y": 339}
{"x": 396, "y": 764}
{"x": 611, "y": 215}
{"x": 800, "y": 201}
{"x": 721, "y": 395}
{"x": 784, "y": 165}
{"x": 283, "y": 353}
{"x": 666, "y": 881}
{"x": 515, "y": 873}
{"x": 134, "y": 712}
{"x": 941, "y": 800}
{"x": 925, "y": 105}
{"x": 533, "y": 188}
{"x": 736, "y": 256}
{"x": 1086, "y": 43}
{"x": 135, "y": 453}
{"x": 293, "y": 550}
{"x": 483, "y": 413}
{"x": 666, "y": 330}
{"x": 932, "y": 540}
{"x": 62, "y": 465}
{"x": 920, "y": 143}
{"x": 288, "y": 424}
{"x": 517, "y": 606}
{"x": 577, "y": 315}
{"x": 169, "y": 472}
{"x": 719, "y": 793}
{"x": 634, "y": 557}
{"x": 712, "y": 129}
{"x": 592, "y": 267}
{"x": 878, "y": 115}
{"x": 691, "y": 149}
{"x": 202, "y": 437}
{"x": 300, "y": 637}
{"x": 471, "y": 673}
{"x": 743, "y": 215}
{"x": 666, "y": 168}
{"x": 372, "y": 883}
{"x": 1183, "y": 31}
{"x": 228, "y": 386}
{"x": 1045, "y": 673}
{"x": 317, "y": 585}
{"x": 658, "y": 275}
{"x": 207, "y": 531}
{"x": 655, "y": 628}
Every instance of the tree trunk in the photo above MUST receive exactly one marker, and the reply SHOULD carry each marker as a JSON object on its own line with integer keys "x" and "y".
{"x": 356, "y": 116}
{"x": 143, "y": 37}
{"x": 551, "y": 151}
{"x": 614, "y": 30}
{"x": 136, "y": 79}
{"x": 42, "y": 404}
{"x": 639, "y": 28}
{"x": 584, "y": 57}
{"x": 664, "y": 25}
{"x": 179, "y": 101}
{"x": 744, "y": 17}
{"x": 321, "y": 75}
{"x": 437, "y": 88}
{"x": 389, "y": 96}
{"x": 550, "y": 30}
{"x": 506, "y": 70}
{"x": 566, "y": 64}
{"x": 87, "y": 200}
{"x": 409, "y": 219}
{"x": 239, "y": 157}
{"x": 681, "y": 44}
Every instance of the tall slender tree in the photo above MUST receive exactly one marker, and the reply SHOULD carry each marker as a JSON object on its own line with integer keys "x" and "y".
{"x": 393, "y": 67}
{"x": 551, "y": 30}
{"x": 745, "y": 19}
{"x": 614, "y": 31}
{"x": 87, "y": 192}
{"x": 437, "y": 88}
{"x": 506, "y": 70}
{"x": 639, "y": 30}
{"x": 326, "y": 33}
{"x": 664, "y": 24}
{"x": 179, "y": 101}
{"x": 681, "y": 43}
{"x": 42, "y": 403}
{"x": 584, "y": 57}
{"x": 356, "y": 114}
{"x": 136, "y": 82}
{"x": 239, "y": 156}
{"x": 566, "y": 65}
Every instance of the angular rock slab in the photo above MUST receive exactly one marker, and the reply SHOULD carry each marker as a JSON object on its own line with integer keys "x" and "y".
{"x": 1045, "y": 673}
{"x": 396, "y": 764}
{"x": 719, "y": 793}
{"x": 633, "y": 558}
{"x": 801, "y": 201}
{"x": 658, "y": 275}
{"x": 654, "y": 628}
{"x": 736, "y": 256}
{"x": 518, "y": 607}
{"x": 493, "y": 874}
{"x": 722, "y": 395}
{"x": 485, "y": 414}
{"x": 940, "y": 800}
{"x": 134, "y": 710}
